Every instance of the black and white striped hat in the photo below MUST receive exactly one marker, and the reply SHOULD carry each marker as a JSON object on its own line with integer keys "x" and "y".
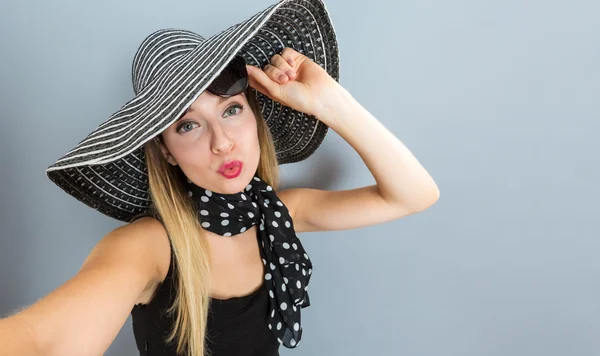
{"x": 171, "y": 68}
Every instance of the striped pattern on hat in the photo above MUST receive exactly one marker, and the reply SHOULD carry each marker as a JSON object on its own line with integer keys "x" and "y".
{"x": 171, "y": 68}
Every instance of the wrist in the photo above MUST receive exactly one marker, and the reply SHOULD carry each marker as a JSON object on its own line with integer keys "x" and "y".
{"x": 333, "y": 104}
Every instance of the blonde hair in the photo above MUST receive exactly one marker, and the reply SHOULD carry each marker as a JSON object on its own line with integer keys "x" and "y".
{"x": 190, "y": 248}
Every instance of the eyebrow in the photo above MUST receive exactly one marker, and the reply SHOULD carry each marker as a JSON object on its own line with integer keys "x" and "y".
{"x": 221, "y": 101}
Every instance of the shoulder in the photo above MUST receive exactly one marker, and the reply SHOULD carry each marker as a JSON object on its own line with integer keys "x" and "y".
{"x": 290, "y": 198}
{"x": 152, "y": 242}
{"x": 135, "y": 257}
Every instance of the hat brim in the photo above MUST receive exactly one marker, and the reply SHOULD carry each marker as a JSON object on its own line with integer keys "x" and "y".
{"x": 107, "y": 171}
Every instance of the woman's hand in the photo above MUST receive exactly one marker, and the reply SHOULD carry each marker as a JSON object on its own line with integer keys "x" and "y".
{"x": 295, "y": 81}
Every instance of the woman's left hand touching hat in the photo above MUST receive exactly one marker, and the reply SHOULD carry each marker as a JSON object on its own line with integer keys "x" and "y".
{"x": 294, "y": 80}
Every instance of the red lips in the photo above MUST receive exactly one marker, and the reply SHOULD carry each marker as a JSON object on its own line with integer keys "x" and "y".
{"x": 231, "y": 169}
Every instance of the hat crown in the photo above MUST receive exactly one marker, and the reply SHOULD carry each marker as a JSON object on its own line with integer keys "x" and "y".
{"x": 158, "y": 51}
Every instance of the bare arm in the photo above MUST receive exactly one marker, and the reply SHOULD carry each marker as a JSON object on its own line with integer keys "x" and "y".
{"x": 84, "y": 315}
{"x": 403, "y": 186}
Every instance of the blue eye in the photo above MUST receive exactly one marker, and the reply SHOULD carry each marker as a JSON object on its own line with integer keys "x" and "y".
{"x": 188, "y": 126}
{"x": 233, "y": 110}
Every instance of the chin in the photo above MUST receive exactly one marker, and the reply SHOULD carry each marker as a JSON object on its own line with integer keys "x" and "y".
{"x": 235, "y": 185}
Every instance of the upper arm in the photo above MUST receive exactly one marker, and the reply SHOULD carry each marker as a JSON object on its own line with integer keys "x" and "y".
{"x": 325, "y": 210}
{"x": 84, "y": 315}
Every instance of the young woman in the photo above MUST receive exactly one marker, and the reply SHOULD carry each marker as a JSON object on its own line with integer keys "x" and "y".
{"x": 209, "y": 260}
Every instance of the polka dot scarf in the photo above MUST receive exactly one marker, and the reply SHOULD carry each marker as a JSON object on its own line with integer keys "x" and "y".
{"x": 287, "y": 266}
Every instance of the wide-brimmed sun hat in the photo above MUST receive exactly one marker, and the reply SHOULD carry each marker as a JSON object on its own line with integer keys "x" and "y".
{"x": 171, "y": 68}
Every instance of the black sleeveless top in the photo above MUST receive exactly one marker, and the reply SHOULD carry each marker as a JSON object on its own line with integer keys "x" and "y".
{"x": 236, "y": 326}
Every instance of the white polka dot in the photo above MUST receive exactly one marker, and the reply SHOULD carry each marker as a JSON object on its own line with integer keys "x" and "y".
{"x": 283, "y": 287}
{"x": 269, "y": 188}
{"x": 281, "y": 260}
{"x": 255, "y": 205}
{"x": 206, "y": 224}
{"x": 224, "y": 215}
{"x": 190, "y": 193}
{"x": 279, "y": 325}
{"x": 285, "y": 280}
{"x": 249, "y": 187}
{"x": 204, "y": 212}
{"x": 297, "y": 267}
{"x": 270, "y": 327}
{"x": 271, "y": 294}
{"x": 262, "y": 227}
{"x": 309, "y": 270}
{"x": 296, "y": 326}
{"x": 272, "y": 238}
{"x": 250, "y": 215}
{"x": 243, "y": 229}
{"x": 286, "y": 245}
{"x": 272, "y": 266}
{"x": 293, "y": 342}
{"x": 283, "y": 306}
{"x": 295, "y": 246}
{"x": 278, "y": 214}
{"x": 268, "y": 276}
{"x": 208, "y": 192}
{"x": 225, "y": 222}
{"x": 287, "y": 224}
{"x": 279, "y": 340}
{"x": 227, "y": 234}
{"x": 294, "y": 307}
{"x": 298, "y": 284}
{"x": 303, "y": 272}
{"x": 266, "y": 205}
{"x": 256, "y": 179}
{"x": 272, "y": 313}
{"x": 275, "y": 224}
{"x": 229, "y": 206}
{"x": 279, "y": 203}
{"x": 243, "y": 196}
{"x": 267, "y": 201}
{"x": 306, "y": 256}
{"x": 264, "y": 262}
{"x": 204, "y": 199}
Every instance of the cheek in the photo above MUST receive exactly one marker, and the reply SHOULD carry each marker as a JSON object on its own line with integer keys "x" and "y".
{"x": 251, "y": 135}
{"x": 189, "y": 152}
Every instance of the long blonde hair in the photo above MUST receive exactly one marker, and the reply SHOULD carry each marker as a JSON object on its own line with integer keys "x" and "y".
{"x": 190, "y": 248}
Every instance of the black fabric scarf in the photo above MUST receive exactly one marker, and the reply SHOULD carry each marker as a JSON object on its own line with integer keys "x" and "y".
{"x": 287, "y": 266}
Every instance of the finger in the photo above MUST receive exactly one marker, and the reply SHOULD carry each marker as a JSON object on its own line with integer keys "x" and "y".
{"x": 283, "y": 65}
{"x": 291, "y": 56}
{"x": 276, "y": 74}
{"x": 256, "y": 85}
{"x": 260, "y": 81}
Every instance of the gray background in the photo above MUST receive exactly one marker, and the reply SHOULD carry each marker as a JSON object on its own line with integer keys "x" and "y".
{"x": 498, "y": 99}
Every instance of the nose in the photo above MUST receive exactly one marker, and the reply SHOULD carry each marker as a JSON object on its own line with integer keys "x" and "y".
{"x": 221, "y": 142}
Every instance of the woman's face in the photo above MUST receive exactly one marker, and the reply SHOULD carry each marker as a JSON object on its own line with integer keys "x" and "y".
{"x": 215, "y": 131}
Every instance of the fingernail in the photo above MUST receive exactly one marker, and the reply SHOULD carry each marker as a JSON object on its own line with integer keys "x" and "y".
{"x": 282, "y": 77}
{"x": 290, "y": 73}
{"x": 291, "y": 61}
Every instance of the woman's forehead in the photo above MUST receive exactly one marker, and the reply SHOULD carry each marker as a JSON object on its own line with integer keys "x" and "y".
{"x": 207, "y": 102}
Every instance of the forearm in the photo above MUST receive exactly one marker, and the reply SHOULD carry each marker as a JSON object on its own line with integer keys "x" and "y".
{"x": 17, "y": 338}
{"x": 400, "y": 178}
